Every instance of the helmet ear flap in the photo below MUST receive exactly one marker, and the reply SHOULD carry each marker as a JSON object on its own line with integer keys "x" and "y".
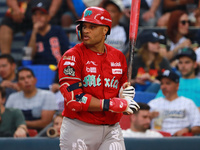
{"x": 78, "y": 31}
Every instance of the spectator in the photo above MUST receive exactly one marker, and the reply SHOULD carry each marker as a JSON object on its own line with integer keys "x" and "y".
{"x": 7, "y": 74}
{"x": 172, "y": 5}
{"x": 189, "y": 83}
{"x": 118, "y": 37}
{"x": 54, "y": 131}
{"x": 73, "y": 12}
{"x": 19, "y": 20}
{"x": 148, "y": 63}
{"x": 38, "y": 106}
{"x": 177, "y": 33}
{"x": 48, "y": 42}
{"x": 12, "y": 122}
{"x": 150, "y": 11}
{"x": 197, "y": 18}
{"x": 140, "y": 124}
{"x": 75, "y": 8}
{"x": 176, "y": 115}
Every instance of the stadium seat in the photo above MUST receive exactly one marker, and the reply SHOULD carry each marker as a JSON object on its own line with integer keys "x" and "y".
{"x": 125, "y": 122}
{"x": 144, "y": 97}
{"x": 45, "y": 76}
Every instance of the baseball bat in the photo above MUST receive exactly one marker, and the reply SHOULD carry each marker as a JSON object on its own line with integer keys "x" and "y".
{"x": 133, "y": 29}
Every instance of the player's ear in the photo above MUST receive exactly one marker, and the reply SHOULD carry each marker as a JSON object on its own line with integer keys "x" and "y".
{"x": 105, "y": 30}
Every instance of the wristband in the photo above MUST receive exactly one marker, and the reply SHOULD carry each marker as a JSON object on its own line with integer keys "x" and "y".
{"x": 106, "y": 104}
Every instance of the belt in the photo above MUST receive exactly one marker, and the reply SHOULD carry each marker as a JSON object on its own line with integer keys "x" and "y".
{"x": 107, "y": 124}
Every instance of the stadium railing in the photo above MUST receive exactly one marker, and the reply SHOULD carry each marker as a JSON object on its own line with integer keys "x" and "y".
{"x": 166, "y": 143}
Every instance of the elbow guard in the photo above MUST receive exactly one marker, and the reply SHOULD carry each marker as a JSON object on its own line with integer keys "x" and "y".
{"x": 75, "y": 98}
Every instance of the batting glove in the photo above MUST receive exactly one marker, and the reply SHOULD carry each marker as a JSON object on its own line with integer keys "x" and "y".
{"x": 129, "y": 92}
{"x": 119, "y": 105}
{"x": 132, "y": 105}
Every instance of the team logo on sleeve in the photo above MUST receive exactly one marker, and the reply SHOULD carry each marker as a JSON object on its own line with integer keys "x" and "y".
{"x": 68, "y": 63}
{"x": 69, "y": 71}
{"x": 72, "y": 58}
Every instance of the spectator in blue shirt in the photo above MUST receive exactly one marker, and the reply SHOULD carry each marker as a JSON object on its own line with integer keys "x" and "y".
{"x": 48, "y": 42}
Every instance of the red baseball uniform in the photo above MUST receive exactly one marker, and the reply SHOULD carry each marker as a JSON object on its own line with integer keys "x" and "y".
{"x": 102, "y": 75}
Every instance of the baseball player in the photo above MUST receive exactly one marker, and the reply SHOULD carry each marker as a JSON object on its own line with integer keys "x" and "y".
{"x": 93, "y": 81}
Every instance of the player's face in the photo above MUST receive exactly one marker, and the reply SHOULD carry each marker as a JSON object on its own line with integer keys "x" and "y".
{"x": 114, "y": 13}
{"x": 154, "y": 47}
{"x": 6, "y": 69}
{"x": 186, "y": 66}
{"x": 41, "y": 18}
{"x": 168, "y": 87}
{"x": 57, "y": 124}
{"x": 26, "y": 81}
{"x": 142, "y": 120}
{"x": 183, "y": 26}
{"x": 93, "y": 34}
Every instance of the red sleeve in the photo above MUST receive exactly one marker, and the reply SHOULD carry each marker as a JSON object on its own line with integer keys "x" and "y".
{"x": 69, "y": 67}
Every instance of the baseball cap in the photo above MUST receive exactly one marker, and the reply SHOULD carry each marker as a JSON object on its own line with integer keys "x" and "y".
{"x": 40, "y": 6}
{"x": 149, "y": 36}
{"x": 117, "y": 3}
{"x": 169, "y": 74}
{"x": 187, "y": 52}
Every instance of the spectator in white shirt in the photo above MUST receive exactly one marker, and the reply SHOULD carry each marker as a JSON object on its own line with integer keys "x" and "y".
{"x": 175, "y": 114}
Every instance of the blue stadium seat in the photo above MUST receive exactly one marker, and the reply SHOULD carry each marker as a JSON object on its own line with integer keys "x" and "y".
{"x": 45, "y": 76}
{"x": 144, "y": 97}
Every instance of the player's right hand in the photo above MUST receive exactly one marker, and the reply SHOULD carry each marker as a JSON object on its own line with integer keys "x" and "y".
{"x": 119, "y": 105}
{"x": 133, "y": 106}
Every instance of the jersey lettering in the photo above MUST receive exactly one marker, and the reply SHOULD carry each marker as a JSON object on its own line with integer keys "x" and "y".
{"x": 92, "y": 80}
{"x": 114, "y": 83}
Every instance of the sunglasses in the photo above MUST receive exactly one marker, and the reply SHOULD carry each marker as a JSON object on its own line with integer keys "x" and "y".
{"x": 183, "y": 22}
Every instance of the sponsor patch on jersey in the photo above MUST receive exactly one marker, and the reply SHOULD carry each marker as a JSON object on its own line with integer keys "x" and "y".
{"x": 72, "y": 58}
{"x": 116, "y": 71}
{"x": 115, "y": 64}
{"x": 91, "y": 69}
{"x": 91, "y": 62}
{"x": 70, "y": 71}
{"x": 68, "y": 63}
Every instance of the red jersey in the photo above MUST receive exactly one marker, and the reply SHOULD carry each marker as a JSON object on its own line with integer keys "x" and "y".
{"x": 102, "y": 75}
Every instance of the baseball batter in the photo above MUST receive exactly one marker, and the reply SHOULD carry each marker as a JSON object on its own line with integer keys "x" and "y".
{"x": 93, "y": 81}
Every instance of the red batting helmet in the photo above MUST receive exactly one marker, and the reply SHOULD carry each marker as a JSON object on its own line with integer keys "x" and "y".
{"x": 96, "y": 15}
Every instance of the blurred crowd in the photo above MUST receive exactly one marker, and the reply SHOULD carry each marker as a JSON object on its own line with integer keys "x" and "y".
{"x": 168, "y": 40}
